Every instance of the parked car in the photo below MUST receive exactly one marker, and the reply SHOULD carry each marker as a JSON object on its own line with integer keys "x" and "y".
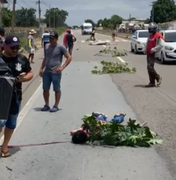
{"x": 168, "y": 52}
{"x": 139, "y": 40}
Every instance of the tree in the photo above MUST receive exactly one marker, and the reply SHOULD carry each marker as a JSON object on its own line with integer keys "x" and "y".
{"x": 110, "y": 23}
{"x": 55, "y": 17}
{"x": 6, "y": 17}
{"x": 164, "y": 11}
{"x": 100, "y": 22}
{"x": 147, "y": 21}
{"x": 25, "y": 17}
{"x": 90, "y": 21}
{"x": 115, "y": 20}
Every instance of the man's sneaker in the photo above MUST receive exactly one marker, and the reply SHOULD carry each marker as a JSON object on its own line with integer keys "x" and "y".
{"x": 150, "y": 85}
{"x": 159, "y": 81}
{"x": 54, "y": 109}
{"x": 45, "y": 108}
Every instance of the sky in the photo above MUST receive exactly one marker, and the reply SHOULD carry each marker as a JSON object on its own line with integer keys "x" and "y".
{"x": 80, "y": 10}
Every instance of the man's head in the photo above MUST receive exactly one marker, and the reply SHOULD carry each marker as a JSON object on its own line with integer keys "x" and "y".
{"x": 11, "y": 45}
{"x": 152, "y": 28}
{"x": 2, "y": 31}
{"x": 46, "y": 31}
{"x": 32, "y": 32}
{"x": 53, "y": 37}
{"x": 68, "y": 31}
{"x": 79, "y": 137}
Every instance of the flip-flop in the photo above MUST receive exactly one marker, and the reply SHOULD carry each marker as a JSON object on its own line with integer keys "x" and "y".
{"x": 158, "y": 84}
{"x": 5, "y": 154}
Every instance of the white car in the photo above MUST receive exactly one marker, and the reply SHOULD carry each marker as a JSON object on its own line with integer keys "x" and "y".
{"x": 168, "y": 52}
{"x": 139, "y": 40}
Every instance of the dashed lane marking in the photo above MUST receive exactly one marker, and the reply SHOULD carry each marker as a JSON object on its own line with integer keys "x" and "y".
{"x": 121, "y": 59}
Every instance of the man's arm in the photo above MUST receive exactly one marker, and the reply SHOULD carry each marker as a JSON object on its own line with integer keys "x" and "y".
{"x": 159, "y": 44}
{"x": 42, "y": 67}
{"x": 28, "y": 72}
{"x": 68, "y": 60}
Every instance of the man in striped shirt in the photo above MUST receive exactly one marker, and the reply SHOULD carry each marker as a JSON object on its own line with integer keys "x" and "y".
{"x": 45, "y": 39}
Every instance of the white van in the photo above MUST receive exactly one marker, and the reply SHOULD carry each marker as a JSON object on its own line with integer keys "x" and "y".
{"x": 86, "y": 28}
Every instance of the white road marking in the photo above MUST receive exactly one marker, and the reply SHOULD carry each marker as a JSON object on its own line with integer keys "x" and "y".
{"x": 26, "y": 109}
{"x": 121, "y": 59}
{"x": 117, "y": 40}
{"x": 124, "y": 40}
{"x": 82, "y": 41}
{"x": 104, "y": 46}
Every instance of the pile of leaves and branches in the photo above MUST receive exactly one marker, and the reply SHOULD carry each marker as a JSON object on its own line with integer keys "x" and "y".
{"x": 114, "y": 68}
{"x": 113, "y": 51}
{"x": 115, "y": 134}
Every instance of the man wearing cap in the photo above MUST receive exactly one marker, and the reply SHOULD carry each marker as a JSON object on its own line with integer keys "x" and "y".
{"x": 31, "y": 44}
{"x": 2, "y": 34}
{"x": 51, "y": 70}
{"x": 69, "y": 40}
{"x": 21, "y": 70}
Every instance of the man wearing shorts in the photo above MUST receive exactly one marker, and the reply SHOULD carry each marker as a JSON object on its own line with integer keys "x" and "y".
{"x": 51, "y": 70}
{"x": 21, "y": 70}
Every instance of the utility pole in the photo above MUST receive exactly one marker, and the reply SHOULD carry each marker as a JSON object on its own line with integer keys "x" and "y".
{"x": 49, "y": 16}
{"x": 39, "y": 11}
{"x": 13, "y": 15}
{"x": 153, "y": 14}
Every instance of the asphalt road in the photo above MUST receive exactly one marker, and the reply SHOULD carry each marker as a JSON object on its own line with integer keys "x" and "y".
{"x": 82, "y": 94}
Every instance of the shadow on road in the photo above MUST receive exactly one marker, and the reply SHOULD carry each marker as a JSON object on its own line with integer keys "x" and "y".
{"x": 166, "y": 63}
{"x": 140, "y": 85}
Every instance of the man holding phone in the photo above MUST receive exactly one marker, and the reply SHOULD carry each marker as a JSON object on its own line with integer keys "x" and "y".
{"x": 21, "y": 70}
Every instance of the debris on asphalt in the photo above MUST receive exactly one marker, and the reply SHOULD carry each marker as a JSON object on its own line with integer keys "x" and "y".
{"x": 8, "y": 168}
{"x": 115, "y": 52}
{"x": 114, "y": 68}
{"x": 113, "y": 133}
{"x": 99, "y": 43}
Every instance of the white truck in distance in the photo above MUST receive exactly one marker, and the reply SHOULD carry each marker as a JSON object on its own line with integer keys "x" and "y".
{"x": 86, "y": 28}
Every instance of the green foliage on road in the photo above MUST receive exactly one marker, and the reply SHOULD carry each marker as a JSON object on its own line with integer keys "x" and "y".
{"x": 164, "y": 11}
{"x": 113, "y": 68}
{"x": 115, "y": 52}
{"x": 115, "y": 134}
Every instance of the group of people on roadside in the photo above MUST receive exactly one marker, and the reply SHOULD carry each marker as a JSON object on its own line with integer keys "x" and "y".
{"x": 50, "y": 71}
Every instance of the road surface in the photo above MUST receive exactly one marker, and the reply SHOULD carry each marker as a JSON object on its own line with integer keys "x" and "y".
{"x": 84, "y": 93}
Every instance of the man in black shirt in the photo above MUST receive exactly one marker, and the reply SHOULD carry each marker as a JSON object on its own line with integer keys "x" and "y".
{"x": 21, "y": 70}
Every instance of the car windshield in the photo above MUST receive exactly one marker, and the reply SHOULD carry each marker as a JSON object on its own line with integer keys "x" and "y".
{"x": 87, "y": 27}
{"x": 143, "y": 34}
{"x": 170, "y": 37}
